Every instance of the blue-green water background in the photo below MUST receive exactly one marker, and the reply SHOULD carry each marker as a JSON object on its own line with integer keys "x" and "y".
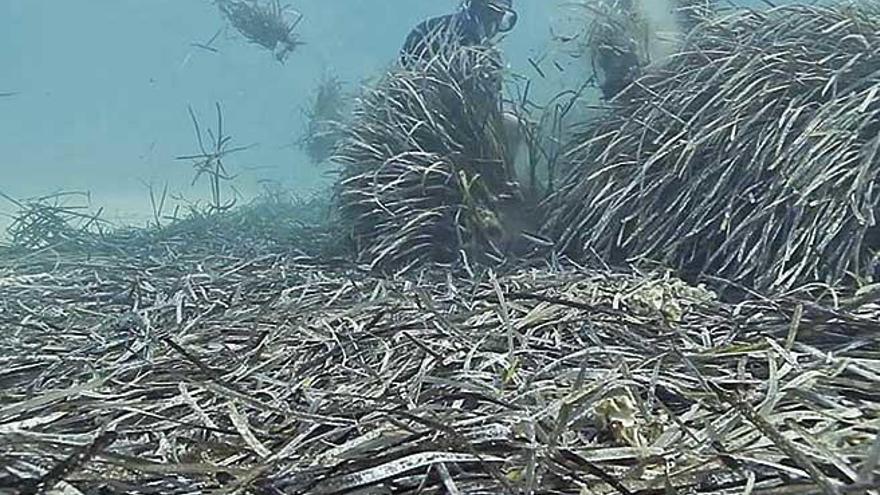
{"x": 103, "y": 87}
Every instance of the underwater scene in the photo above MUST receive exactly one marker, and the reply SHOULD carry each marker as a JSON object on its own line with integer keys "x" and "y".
{"x": 464, "y": 247}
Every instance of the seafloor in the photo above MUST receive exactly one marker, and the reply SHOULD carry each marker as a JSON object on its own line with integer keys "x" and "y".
{"x": 187, "y": 362}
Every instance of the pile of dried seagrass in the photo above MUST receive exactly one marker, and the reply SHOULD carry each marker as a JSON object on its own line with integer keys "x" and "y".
{"x": 187, "y": 367}
{"x": 423, "y": 174}
{"x": 751, "y": 155}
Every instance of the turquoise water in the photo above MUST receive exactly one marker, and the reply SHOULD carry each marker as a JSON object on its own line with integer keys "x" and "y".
{"x": 100, "y": 88}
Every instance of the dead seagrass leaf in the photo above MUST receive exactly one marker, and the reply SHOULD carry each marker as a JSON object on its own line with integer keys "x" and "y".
{"x": 395, "y": 468}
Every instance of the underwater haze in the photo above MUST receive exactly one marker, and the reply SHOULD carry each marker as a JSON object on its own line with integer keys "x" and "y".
{"x": 95, "y": 92}
{"x": 100, "y": 90}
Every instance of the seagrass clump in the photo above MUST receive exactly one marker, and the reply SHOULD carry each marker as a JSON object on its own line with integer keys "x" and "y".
{"x": 266, "y": 24}
{"x": 617, "y": 41}
{"x": 327, "y": 112}
{"x": 423, "y": 175}
{"x": 57, "y": 221}
{"x": 621, "y": 39}
{"x": 751, "y": 155}
{"x": 690, "y": 13}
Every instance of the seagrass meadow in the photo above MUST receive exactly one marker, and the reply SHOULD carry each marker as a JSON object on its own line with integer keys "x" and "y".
{"x": 751, "y": 154}
{"x": 396, "y": 339}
